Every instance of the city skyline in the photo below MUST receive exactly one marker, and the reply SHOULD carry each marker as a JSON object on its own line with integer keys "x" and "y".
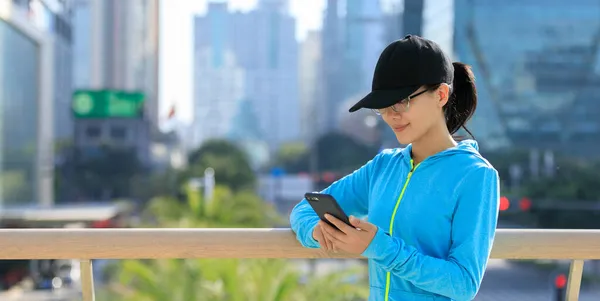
{"x": 176, "y": 44}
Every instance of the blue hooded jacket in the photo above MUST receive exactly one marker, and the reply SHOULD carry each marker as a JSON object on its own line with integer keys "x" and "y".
{"x": 436, "y": 221}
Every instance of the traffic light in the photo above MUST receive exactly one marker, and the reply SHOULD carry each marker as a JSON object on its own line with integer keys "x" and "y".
{"x": 504, "y": 203}
{"x": 525, "y": 204}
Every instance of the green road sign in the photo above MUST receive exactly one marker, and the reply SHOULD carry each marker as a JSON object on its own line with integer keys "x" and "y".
{"x": 107, "y": 104}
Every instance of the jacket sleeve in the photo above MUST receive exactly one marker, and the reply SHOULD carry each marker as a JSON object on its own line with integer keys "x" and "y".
{"x": 473, "y": 229}
{"x": 352, "y": 194}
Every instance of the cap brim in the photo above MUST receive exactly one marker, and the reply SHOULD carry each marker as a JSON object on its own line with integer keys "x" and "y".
{"x": 380, "y": 99}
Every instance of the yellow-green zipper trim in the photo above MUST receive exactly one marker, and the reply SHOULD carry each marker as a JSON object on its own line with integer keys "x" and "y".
{"x": 388, "y": 275}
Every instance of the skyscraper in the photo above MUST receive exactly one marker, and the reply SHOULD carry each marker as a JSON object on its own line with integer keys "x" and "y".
{"x": 353, "y": 38}
{"x": 435, "y": 20}
{"x": 34, "y": 52}
{"x": 218, "y": 91}
{"x": 539, "y": 75}
{"x": 331, "y": 69}
{"x": 311, "y": 85}
{"x": 116, "y": 47}
{"x": 264, "y": 45}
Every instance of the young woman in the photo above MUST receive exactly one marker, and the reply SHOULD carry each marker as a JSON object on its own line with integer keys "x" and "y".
{"x": 432, "y": 206}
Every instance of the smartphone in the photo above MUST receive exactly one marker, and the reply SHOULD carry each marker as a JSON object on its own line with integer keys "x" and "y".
{"x": 325, "y": 203}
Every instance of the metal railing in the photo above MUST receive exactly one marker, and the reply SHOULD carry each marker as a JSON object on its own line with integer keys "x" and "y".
{"x": 87, "y": 244}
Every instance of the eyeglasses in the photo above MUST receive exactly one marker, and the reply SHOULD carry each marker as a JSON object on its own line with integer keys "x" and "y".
{"x": 401, "y": 106}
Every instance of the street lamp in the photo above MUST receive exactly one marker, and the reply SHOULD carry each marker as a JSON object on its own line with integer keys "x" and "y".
{"x": 207, "y": 182}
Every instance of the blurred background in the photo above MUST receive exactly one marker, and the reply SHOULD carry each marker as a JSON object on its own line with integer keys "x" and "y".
{"x": 199, "y": 113}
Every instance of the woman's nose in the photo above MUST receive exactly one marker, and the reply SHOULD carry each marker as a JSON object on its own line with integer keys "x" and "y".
{"x": 394, "y": 115}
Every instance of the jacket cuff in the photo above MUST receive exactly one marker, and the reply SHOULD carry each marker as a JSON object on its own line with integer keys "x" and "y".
{"x": 309, "y": 240}
{"x": 379, "y": 246}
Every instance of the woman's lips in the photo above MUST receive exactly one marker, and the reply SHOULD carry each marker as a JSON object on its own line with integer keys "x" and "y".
{"x": 399, "y": 128}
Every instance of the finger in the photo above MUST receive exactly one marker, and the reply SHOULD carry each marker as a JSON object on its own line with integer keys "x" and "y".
{"x": 331, "y": 242}
{"x": 327, "y": 241}
{"x": 334, "y": 236}
{"x": 335, "y": 247}
{"x": 332, "y": 232}
{"x": 321, "y": 239}
{"x": 339, "y": 224}
{"x": 362, "y": 225}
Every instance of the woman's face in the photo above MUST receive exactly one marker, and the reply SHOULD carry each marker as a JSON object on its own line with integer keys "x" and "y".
{"x": 415, "y": 116}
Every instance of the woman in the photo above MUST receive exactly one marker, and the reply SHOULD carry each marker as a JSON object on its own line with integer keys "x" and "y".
{"x": 433, "y": 205}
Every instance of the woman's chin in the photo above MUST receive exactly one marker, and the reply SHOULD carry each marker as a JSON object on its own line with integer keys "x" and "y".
{"x": 403, "y": 138}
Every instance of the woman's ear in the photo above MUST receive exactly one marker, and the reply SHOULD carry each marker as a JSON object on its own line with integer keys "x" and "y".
{"x": 443, "y": 94}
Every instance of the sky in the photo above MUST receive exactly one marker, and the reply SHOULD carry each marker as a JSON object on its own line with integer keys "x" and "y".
{"x": 176, "y": 45}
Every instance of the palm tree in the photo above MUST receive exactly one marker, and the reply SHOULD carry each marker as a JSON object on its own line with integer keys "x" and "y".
{"x": 229, "y": 280}
{"x": 226, "y": 210}
{"x": 223, "y": 279}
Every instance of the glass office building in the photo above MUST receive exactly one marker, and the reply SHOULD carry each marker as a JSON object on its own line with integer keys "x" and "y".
{"x": 34, "y": 82}
{"x": 19, "y": 88}
{"x": 537, "y": 68}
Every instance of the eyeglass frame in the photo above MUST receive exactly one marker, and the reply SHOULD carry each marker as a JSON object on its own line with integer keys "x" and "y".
{"x": 397, "y": 110}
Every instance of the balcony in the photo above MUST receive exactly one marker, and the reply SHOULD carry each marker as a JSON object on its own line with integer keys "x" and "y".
{"x": 87, "y": 244}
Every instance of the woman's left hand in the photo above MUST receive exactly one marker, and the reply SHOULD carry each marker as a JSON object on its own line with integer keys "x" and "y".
{"x": 351, "y": 239}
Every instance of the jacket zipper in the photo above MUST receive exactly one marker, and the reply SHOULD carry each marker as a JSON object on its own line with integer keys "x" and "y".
{"x": 410, "y": 173}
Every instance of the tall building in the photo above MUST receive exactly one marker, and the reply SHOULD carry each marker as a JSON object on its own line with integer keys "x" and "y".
{"x": 116, "y": 50}
{"x": 431, "y": 19}
{"x": 354, "y": 34}
{"x": 63, "y": 69}
{"x": 311, "y": 97}
{"x": 218, "y": 78}
{"x": 332, "y": 71}
{"x": 364, "y": 36}
{"x": 264, "y": 46}
{"x": 435, "y": 20}
{"x": 35, "y": 38}
{"x": 539, "y": 75}
{"x": 394, "y": 20}
{"x": 116, "y": 47}
{"x": 218, "y": 92}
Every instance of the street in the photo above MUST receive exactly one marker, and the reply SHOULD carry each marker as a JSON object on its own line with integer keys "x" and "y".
{"x": 59, "y": 295}
{"x": 506, "y": 281}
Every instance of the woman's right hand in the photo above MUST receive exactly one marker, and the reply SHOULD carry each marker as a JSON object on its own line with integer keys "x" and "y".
{"x": 318, "y": 236}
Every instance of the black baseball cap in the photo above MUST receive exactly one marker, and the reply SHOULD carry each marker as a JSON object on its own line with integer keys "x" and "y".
{"x": 403, "y": 67}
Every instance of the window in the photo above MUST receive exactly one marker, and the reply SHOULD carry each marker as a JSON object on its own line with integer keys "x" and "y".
{"x": 118, "y": 132}
{"x": 93, "y": 132}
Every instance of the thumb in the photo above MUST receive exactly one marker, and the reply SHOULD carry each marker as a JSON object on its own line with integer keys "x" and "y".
{"x": 361, "y": 224}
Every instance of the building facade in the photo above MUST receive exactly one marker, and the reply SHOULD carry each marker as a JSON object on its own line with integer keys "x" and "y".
{"x": 32, "y": 35}
{"x": 263, "y": 45}
{"x": 538, "y": 76}
{"x": 116, "y": 49}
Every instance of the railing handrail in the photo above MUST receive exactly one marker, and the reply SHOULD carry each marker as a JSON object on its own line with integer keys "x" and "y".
{"x": 151, "y": 243}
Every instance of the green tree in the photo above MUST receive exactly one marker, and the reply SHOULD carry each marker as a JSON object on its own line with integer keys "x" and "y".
{"x": 335, "y": 152}
{"x": 16, "y": 188}
{"x": 223, "y": 279}
{"x": 230, "y": 163}
{"x": 105, "y": 173}
{"x": 226, "y": 209}
{"x": 339, "y": 152}
{"x": 291, "y": 154}
{"x": 146, "y": 186}
{"x": 231, "y": 280}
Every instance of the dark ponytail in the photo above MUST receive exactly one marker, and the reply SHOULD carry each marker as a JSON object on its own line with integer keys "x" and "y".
{"x": 462, "y": 102}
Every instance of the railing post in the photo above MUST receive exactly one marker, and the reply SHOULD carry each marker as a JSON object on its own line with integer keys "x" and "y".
{"x": 574, "y": 282}
{"x": 87, "y": 280}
